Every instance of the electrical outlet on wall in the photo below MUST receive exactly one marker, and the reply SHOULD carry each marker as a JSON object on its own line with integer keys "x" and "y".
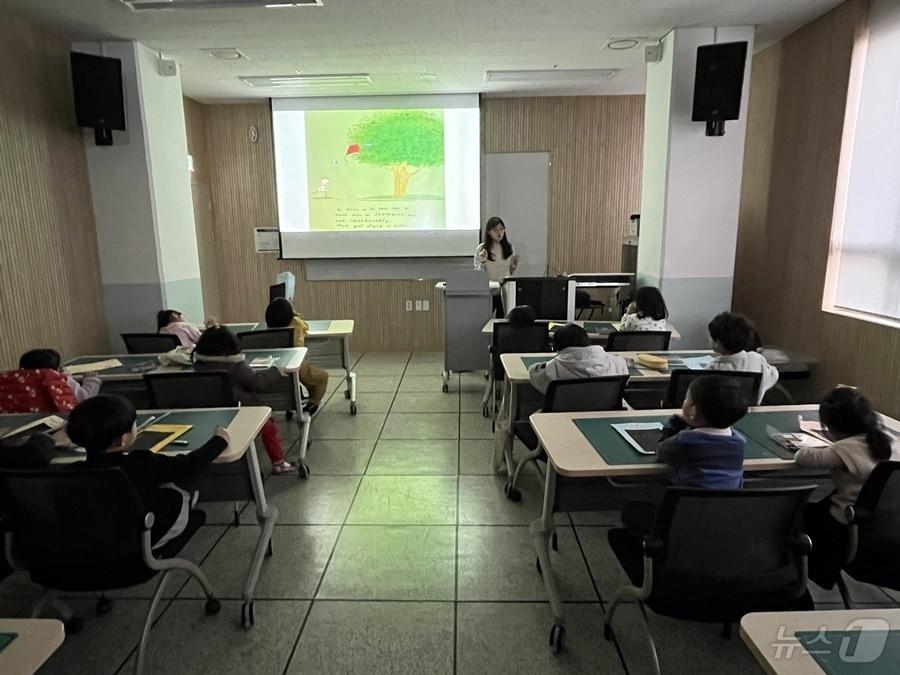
{"x": 409, "y": 305}
{"x": 418, "y": 305}
{"x": 426, "y": 306}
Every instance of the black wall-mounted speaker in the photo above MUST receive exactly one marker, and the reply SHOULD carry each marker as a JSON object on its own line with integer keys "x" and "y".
{"x": 718, "y": 84}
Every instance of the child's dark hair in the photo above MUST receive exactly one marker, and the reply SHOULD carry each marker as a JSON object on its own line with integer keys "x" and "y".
{"x": 40, "y": 358}
{"x": 649, "y": 303}
{"x": 505, "y": 246}
{"x": 279, "y": 313}
{"x": 164, "y": 317}
{"x": 217, "y": 341}
{"x": 720, "y": 400}
{"x": 735, "y": 332}
{"x": 847, "y": 411}
{"x": 96, "y": 423}
{"x": 522, "y": 315}
{"x": 570, "y": 335}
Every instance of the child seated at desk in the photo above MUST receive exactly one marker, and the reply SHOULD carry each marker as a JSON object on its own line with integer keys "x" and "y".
{"x": 218, "y": 349}
{"x": 280, "y": 314}
{"x": 648, "y": 311}
{"x": 699, "y": 445}
{"x": 576, "y": 358}
{"x": 39, "y": 386}
{"x": 860, "y": 443}
{"x": 171, "y": 322}
{"x": 105, "y": 427}
{"x": 735, "y": 340}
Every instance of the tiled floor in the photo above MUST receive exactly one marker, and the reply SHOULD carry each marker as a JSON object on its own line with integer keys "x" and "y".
{"x": 400, "y": 554}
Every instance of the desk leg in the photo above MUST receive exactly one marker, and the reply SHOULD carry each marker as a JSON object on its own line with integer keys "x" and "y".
{"x": 541, "y": 533}
{"x": 503, "y": 449}
{"x": 350, "y": 378}
{"x": 266, "y": 516}
{"x": 512, "y": 392}
{"x": 304, "y": 420}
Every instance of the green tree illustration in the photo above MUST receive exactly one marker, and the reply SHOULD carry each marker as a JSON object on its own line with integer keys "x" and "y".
{"x": 400, "y": 140}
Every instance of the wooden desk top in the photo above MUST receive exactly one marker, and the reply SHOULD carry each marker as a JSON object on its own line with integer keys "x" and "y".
{"x": 517, "y": 373}
{"x": 35, "y": 642}
{"x": 770, "y": 635}
{"x": 488, "y": 328}
{"x": 243, "y": 429}
{"x": 336, "y": 327}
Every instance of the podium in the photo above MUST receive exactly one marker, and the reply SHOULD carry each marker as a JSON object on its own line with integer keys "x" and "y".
{"x": 467, "y": 306}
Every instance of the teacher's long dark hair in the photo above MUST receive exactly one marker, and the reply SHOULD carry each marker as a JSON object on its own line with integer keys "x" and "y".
{"x": 505, "y": 246}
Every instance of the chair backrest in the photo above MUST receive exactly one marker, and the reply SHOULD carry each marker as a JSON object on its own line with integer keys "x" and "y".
{"x": 74, "y": 521}
{"x": 585, "y": 394}
{"x": 149, "y": 343}
{"x": 734, "y": 540}
{"x": 638, "y": 341}
{"x": 879, "y": 528}
{"x": 271, "y": 338}
{"x": 207, "y": 389}
{"x": 681, "y": 379}
{"x": 509, "y": 338}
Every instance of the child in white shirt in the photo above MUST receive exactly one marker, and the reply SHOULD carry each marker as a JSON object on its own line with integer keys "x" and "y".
{"x": 735, "y": 341}
{"x": 576, "y": 358}
{"x": 648, "y": 311}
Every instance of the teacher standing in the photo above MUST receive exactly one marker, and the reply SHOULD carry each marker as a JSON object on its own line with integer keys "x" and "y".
{"x": 495, "y": 256}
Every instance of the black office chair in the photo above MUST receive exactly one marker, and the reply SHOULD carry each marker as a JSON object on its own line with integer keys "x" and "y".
{"x": 511, "y": 339}
{"x": 86, "y": 530}
{"x": 149, "y": 343}
{"x": 681, "y": 380}
{"x": 271, "y": 338}
{"x": 589, "y": 394}
{"x": 638, "y": 341}
{"x": 715, "y": 555}
{"x": 873, "y": 544}
{"x": 209, "y": 389}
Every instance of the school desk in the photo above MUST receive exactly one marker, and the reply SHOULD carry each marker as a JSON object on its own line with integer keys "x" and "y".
{"x": 857, "y": 641}
{"x": 220, "y": 482}
{"x": 323, "y": 336}
{"x": 25, "y": 644}
{"x": 598, "y": 331}
{"x": 585, "y": 455}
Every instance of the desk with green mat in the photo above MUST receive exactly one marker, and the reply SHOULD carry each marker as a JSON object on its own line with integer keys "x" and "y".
{"x": 585, "y": 456}
{"x": 328, "y": 342}
{"x": 516, "y": 366}
{"x": 224, "y": 481}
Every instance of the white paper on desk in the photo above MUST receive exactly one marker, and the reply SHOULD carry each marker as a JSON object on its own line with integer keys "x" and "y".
{"x": 625, "y": 427}
{"x": 697, "y": 362}
{"x": 51, "y": 422}
{"x": 813, "y": 428}
{"x": 92, "y": 367}
{"x": 263, "y": 362}
{"x": 647, "y": 372}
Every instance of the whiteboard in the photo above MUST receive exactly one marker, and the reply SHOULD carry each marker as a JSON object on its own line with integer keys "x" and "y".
{"x": 517, "y": 188}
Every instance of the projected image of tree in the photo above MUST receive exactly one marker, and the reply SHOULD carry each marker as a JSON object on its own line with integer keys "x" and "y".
{"x": 401, "y": 141}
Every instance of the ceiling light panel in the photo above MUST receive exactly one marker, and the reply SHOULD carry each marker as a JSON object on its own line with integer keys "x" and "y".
{"x": 309, "y": 81}
{"x": 554, "y": 76}
{"x": 172, "y": 5}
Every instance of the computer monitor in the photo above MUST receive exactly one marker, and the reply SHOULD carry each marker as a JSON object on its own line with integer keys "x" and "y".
{"x": 553, "y": 298}
{"x": 276, "y": 291}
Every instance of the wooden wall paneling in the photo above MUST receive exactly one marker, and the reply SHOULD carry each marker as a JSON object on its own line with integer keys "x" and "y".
{"x": 49, "y": 267}
{"x": 798, "y": 95}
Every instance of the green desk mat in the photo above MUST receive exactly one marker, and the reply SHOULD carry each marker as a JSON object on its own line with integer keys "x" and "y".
{"x": 754, "y": 426}
{"x": 529, "y": 361}
{"x": 599, "y": 327}
{"x": 128, "y": 362}
{"x": 6, "y": 639}
{"x": 282, "y": 356}
{"x": 614, "y": 449}
{"x": 319, "y": 326}
{"x": 842, "y": 652}
{"x": 632, "y": 370}
{"x": 244, "y": 327}
{"x": 203, "y": 425}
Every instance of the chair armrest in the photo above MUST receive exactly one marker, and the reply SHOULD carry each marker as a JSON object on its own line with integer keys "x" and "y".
{"x": 856, "y": 513}
{"x": 652, "y": 546}
{"x": 149, "y": 520}
{"x": 802, "y": 544}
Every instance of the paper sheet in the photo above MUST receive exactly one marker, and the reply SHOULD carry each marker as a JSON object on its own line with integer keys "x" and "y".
{"x": 92, "y": 367}
{"x": 49, "y": 424}
{"x": 263, "y": 362}
{"x": 697, "y": 362}
{"x": 647, "y": 372}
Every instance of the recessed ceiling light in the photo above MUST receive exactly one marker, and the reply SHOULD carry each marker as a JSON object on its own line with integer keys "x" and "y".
{"x": 172, "y": 5}
{"x": 227, "y": 53}
{"x": 558, "y": 76}
{"x": 620, "y": 44}
{"x": 428, "y": 77}
{"x": 309, "y": 81}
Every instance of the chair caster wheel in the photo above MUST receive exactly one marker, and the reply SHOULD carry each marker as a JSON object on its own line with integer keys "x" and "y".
{"x": 103, "y": 606}
{"x": 607, "y": 631}
{"x": 485, "y": 411}
{"x": 269, "y": 551}
{"x": 537, "y": 565}
{"x": 212, "y": 606}
{"x": 512, "y": 494}
{"x": 346, "y": 394}
{"x": 248, "y": 615}
{"x": 289, "y": 414}
{"x": 352, "y": 408}
{"x": 74, "y": 625}
{"x": 445, "y": 387}
{"x": 557, "y": 638}
{"x": 303, "y": 471}
{"x": 554, "y": 542}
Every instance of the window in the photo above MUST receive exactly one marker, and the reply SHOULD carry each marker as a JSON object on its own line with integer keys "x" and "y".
{"x": 863, "y": 278}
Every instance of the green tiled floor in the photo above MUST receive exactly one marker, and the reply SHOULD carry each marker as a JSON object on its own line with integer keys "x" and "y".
{"x": 400, "y": 554}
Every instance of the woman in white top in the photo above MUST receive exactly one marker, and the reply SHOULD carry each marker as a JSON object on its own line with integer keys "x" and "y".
{"x": 495, "y": 255}
{"x": 859, "y": 445}
{"x": 735, "y": 341}
{"x": 648, "y": 311}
